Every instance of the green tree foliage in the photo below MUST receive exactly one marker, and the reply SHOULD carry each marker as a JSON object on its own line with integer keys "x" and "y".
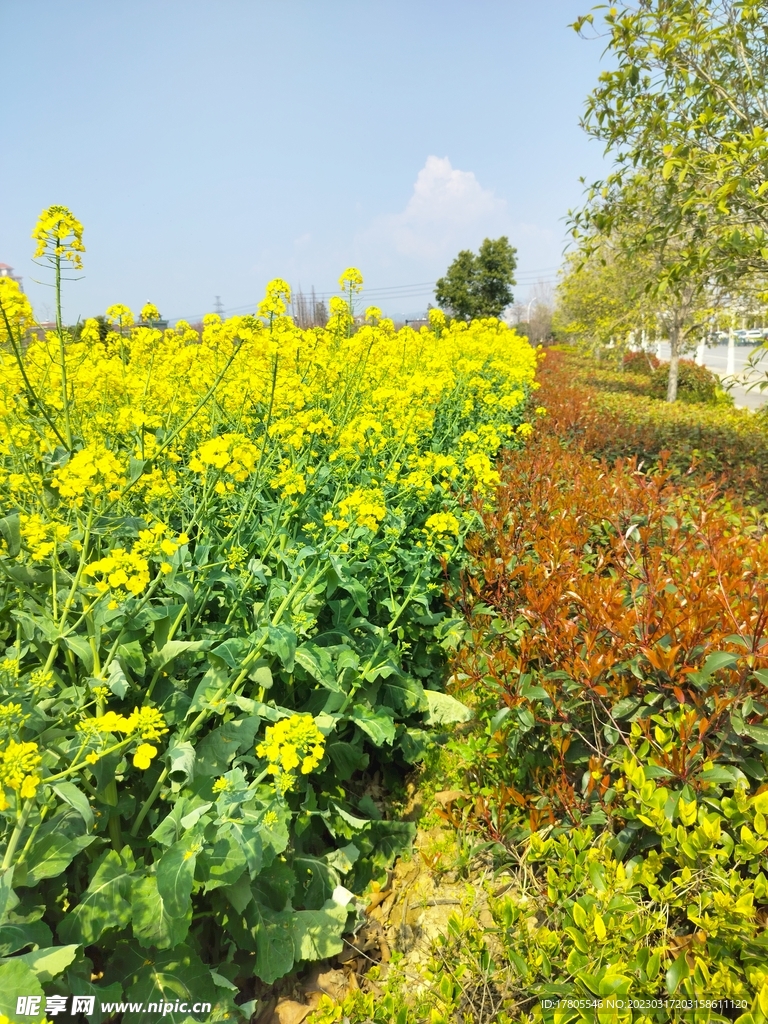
{"x": 595, "y": 301}
{"x": 479, "y": 285}
{"x": 610, "y": 291}
{"x": 685, "y": 110}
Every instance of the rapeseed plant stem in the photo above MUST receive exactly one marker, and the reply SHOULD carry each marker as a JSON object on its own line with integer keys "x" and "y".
{"x": 13, "y": 842}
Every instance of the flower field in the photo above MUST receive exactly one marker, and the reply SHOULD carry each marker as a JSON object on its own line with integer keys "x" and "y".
{"x": 222, "y": 561}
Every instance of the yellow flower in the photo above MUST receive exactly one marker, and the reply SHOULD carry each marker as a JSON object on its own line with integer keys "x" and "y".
{"x": 149, "y": 312}
{"x": 220, "y": 785}
{"x": 120, "y": 315}
{"x": 274, "y": 303}
{"x": 88, "y": 473}
{"x": 292, "y": 743}
{"x": 366, "y": 505}
{"x": 109, "y": 722}
{"x": 29, "y": 787}
{"x": 288, "y": 481}
{"x": 59, "y": 235}
{"x": 351, "y": 280}
{"x": 120, "y": 570}
{"x": 147, "y": 722}
{"x": 442, "y": 522}
{"x": 143, "y": 756}
{"x": 90, "y": 331}
{"x": 17, "y": 762}
{"x": 15, "y": 305}
{"x": 233, "y": 455}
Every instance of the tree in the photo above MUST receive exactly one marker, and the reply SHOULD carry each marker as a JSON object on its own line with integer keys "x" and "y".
{"x": 479, "y": 285}
{"x": 686, "y": 109}
{"x": 597, "y": 304}
{"x": 612, "y": 286}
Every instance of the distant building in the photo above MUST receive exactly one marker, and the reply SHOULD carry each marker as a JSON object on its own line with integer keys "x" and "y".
{"x": 6, "y": 271}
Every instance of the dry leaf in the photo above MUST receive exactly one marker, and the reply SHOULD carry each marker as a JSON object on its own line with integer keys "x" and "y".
{"x": 447, "y": 796}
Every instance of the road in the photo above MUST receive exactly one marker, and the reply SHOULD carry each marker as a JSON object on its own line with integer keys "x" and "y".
{"x": 716, "y": 358}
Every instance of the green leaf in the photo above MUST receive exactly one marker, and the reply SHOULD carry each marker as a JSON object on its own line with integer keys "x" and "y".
{"x": 444, "y": 709}
{"x": 318, "y": 663}
{"x": 16, "y": 979}
{"x": 50, "y": 855}
{"x": 132, "y": 655}
{"x": 347, "y": 758}
{"x": 105, "y": 903}
{"x": 181, "y": 762}
{"x": 273, "y": 933}
{"x": 8, "y": 898}
{"x": 578, "y": 939}
{"x": 677, "y": 973}
{"x": 248, "y": 838}
{"x": 81, "y": 648}
{"x": 273, "y": 830}
{"x": 579, "y": 916}
{"x": 117, "y": 680}
{"x": 759, "y": 735}
{"x": 221, "y": 864}
{"x": 275, "y": 885}
{"x": 239, "y": 894}
{"x": 218, "y": 748}
{"x": 317, "y": 933}
{"x": 231, "y": 651}
{"x": 76, "y": 799}
{"x": 173, "y": 648}
{"x": 78, "y": 980}
{"x": 378, "y": 725}
{"x": 175, "y": 874}
{"x": 597, "y": 875}
{"x": 389, "y": 839}
{"x": 46, "y": 964}
{"x": 10, "y": 528}
{"x": 322, "y": 879}
{"x": 166, "y": 976}
{"x": 18, "y": 935}
{"x": 282, "y": 642}
{"x": 151, "y": 922}
{"x": 414, "y": 743}
{"x": 403, "y": 693}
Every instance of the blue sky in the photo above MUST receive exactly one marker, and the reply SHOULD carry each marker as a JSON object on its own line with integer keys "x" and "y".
{"x": 211, "y": 145}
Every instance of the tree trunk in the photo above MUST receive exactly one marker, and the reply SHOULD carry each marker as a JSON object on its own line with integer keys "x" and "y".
{"x": 674, "y": 359}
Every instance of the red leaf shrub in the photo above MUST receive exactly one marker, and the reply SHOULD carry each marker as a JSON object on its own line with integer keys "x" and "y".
{"x": 640, "y": 362}
{"x": 613, "y": 611}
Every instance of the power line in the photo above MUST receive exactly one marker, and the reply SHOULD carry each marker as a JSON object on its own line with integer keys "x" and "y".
{"x": 388, "y": 293}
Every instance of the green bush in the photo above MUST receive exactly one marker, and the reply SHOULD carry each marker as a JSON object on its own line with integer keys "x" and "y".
{"x": 695, "y": 384}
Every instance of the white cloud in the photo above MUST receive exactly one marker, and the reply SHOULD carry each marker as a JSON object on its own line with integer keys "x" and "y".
{"x": 449, "y": 209}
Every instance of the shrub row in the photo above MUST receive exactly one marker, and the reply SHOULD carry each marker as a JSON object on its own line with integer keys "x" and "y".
{"x": 616, "y": 657}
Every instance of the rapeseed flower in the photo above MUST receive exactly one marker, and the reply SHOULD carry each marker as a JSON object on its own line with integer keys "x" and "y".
{"x": 122, "y": 571}
{"x": 41, "y": 537}
{"x": 120, "y": 316}
{"x": 365, "y": 505}
{"x": 19, "y": 763}
{"x": 142, "y": 758}
{"x": 292, "y": 743}
{"x": 12, "y": 718}
{"x": 15, "y": 305}
{"x": 149, "y": 312}
{"x": 59, "y": 235}
{"x": 92, "y": 471}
